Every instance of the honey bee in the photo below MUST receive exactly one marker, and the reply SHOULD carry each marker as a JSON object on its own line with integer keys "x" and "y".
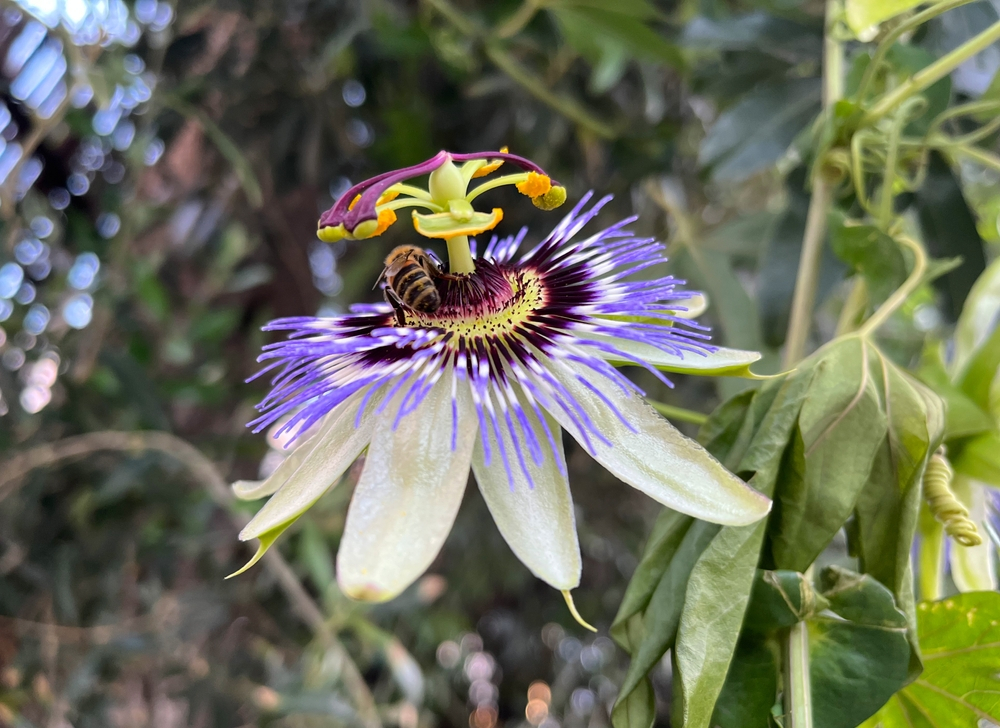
{"x": 409, "y": 275}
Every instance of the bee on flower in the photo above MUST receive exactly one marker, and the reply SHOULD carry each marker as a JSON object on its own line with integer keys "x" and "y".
{"x": 518, "y": 346}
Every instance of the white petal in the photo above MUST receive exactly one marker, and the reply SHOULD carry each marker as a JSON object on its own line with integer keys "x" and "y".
{"x": 654, "y": 457}
{"x": 538, "y": 523}
{"x": 408, "y": 494}
{"x": 336, "y": 446}
{"x": 255, "y": 489}
{"x": 721, "y": 362}
{"x": 972, "y": 566}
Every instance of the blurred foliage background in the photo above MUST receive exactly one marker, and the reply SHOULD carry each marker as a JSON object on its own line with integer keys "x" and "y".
{"x": 161, "y": 172}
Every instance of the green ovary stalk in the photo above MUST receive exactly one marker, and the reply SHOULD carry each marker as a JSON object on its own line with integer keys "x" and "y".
{"x": 460, "y": 255}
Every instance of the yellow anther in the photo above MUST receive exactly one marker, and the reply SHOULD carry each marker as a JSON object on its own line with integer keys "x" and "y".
{"x": 944, "y": 505}
{"x": 489, "y": 167}
{"x": 354, "y": 202}
{"x": 576, "y": 615}
{"x": 331, "y": 234}
{"x": 551, "y": 199}
{"x": 535, "y": 186}
{"x": 385, "y": 219}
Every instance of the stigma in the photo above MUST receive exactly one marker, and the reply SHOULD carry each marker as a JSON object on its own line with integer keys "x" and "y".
{"x": 444, "y": 208}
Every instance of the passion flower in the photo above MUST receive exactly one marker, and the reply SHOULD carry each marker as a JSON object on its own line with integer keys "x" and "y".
{"x": 521, "y": 348}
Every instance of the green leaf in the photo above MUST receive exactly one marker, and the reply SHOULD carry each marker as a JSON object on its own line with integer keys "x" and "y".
{"x": 756, "y": 132}
{"x": 887, "y": 513}
{"x": 663, "y": 542}
{"x": 637, "y": 709}
{"x": 858, "y": 654}
{"x": 870, "y": 252}
{"x": 840, "y": 428}
{"x": 728, "y": 431}
{"x": 981, "y": 370}
{"x": 864, "y": 15}
{"x": 960, "y": 685}
{"x": 979, "y": 458}
{"x": 716, "y": 599}
{"x": 595, "y": 31}
{"x": 962, "y": 416}
{"x": 662, "y": 615}
{"x": 720, "y": 584}
{"x": 979, "y": 314}
{"x": 784, "y": 39}
{"x": 751, "y": 685}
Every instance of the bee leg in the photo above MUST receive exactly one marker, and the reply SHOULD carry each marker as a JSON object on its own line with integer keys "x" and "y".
{"x": 397, "y": 305}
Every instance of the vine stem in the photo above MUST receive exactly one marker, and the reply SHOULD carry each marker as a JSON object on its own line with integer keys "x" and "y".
{"x": 933, "y": 73}
{"x": 798, "y": 685}
{"x": 900, "y": 295}
{"x": 804, "y": 297}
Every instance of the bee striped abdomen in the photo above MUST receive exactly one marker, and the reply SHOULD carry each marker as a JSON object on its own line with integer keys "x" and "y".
{"x": 416, "y": 288}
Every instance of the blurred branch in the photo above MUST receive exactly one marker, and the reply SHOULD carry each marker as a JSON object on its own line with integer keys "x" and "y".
{"x": 804, "y": 298}
{"x": 518, "y": 19}
{"x": 226, "y": 146}
{"x": 565, "y": 105}
{"x": 208, "y": 475}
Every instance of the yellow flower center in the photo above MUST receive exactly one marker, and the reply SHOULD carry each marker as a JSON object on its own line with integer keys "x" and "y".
{"x": 499, "y": 314}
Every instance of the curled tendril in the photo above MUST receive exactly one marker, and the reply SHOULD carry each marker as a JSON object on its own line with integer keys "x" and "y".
{"x": 944, "y": 505}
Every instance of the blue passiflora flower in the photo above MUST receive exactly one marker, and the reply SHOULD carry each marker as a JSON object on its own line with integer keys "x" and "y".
{"x": 522, "y": 346}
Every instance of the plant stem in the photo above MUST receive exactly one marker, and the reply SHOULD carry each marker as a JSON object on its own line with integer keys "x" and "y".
{"x": 900, "y": 295}
{"x": 518, "y": 19}
{"x": 822, "y": 195}
{"x": 805, "y": 281}
{"x": 932, "y": 73}
{"x": 987, "y": 159}
{"x": 678, "y": 413}
{"x": 798, "y": 688}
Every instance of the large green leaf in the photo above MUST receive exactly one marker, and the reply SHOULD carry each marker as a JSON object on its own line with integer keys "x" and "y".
{"x": 840, "y": 428}
{"x": 858, "y": 650}
{"x": 960, "y": 685}
{"x": 888, "y": 510}
{"x": 751, "y": 686}
{"x": 720, "y": 584}
{"x": 756, "y": 131}
{"x": 663, "y": 613}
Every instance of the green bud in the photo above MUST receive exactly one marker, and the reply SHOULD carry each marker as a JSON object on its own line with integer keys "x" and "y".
{"x": 551, "y": 199}
{"x": 446, "y": 183}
